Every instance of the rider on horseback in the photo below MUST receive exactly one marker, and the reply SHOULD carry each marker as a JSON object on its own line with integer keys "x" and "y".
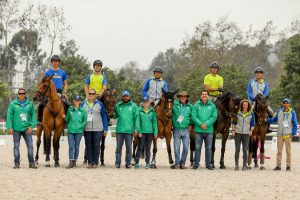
{"x": 155, "y": 87}
{"x": 60, "y": 81}
{"x": 258, "y": 85}
{"x": 213, "y": 82}
{"x": 97, "y": 80}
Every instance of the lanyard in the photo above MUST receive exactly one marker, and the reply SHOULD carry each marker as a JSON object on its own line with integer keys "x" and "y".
{"x": 182, "y": 110}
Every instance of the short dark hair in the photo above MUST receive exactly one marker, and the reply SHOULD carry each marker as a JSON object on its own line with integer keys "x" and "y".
{"x": 21, "y": 89}
{"x": 204, "y": 90}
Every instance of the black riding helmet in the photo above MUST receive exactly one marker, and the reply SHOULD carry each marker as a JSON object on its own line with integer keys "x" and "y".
{"x": 55, "y": 57}
{"x": 215, "y": 65}
{"x": 259, "y": 69}
{"x": 157, "y": 69}
{"x": 97, "y": 62}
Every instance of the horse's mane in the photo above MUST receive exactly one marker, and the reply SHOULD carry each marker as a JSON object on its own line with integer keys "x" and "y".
{"x": 225, "y": 97}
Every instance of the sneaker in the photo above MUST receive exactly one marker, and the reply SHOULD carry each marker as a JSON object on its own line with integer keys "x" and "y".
{"x": 209, "y": 167}
{"x": 175, "y": 167}
{"x": 17, "y": 166}
{"x": 90, "y": 166}
{"x": 244, "y": 168}
{"x": 94, "y": 166}
{"x": 148, "y": 166}
{"x": 236, "y": 168}
{"x": 195, "y": 166}
{"x": 117, "y": 166}
{"x": 288, "y": 168}
{"x": 183, "y": 167}
{"x": 277, "y": 168}
{"x": 32, "y": 166}
{"x": 137, "y": 166}
{"x": 128, "y": 166}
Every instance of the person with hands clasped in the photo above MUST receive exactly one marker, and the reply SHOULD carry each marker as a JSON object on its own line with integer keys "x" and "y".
{"x": 20, "y": 121}
{"x": 147, "y": 130}
{"x": 76, "y": 120}
{"x": 127, "y": 113}
{"x": 242, "y": 130}
{"x": 96, "y": 127}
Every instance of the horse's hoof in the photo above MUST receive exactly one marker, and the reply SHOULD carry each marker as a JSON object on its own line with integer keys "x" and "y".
{"x": 36, "y": 163}
{"x": 171, "y": 162}
{"x": 47, "y": 165}
{"x": 153, "y": 166}
{"x": 222, "y": 167}
{"x": 56, "y": 165}
{"x": 256, "y": 166}
{"x": 262, "y": 168}
{"x": 102, "y": 165}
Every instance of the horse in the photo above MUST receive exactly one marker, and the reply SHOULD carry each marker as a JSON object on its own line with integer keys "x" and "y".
{"x": 52, "y": 119}
{"x": 109, "y": 100}
{"x": 259, "y": 132}
{"x": 164, "y": 122}
{"x": 227, "y": 106}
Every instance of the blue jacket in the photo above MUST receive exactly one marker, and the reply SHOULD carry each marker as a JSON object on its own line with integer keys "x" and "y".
{"x": 253, "y": 89}
{"x": 154, "y": 88}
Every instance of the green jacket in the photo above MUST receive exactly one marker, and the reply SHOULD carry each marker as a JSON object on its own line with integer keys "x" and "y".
{"x": 76, "y": 120}
{"x": 16, "y": 112}
{"x": 127, "y": 114}
{"x": 204, "y": 114}
{"x": 147, "y": 121}
{"x": 185, "y": 111}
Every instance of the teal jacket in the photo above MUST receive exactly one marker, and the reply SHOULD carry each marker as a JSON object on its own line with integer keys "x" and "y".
{"x": 76, "y": 120}
{"x": 127, "y": 114}
{"x": 204, "y": 114}
{"x": 180, "y": 110}
{"x": 147, "y": 121}
{"x": 20, "y": 117}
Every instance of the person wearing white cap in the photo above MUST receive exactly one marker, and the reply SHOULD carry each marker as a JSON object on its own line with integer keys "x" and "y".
{"x": 287, "y": 127}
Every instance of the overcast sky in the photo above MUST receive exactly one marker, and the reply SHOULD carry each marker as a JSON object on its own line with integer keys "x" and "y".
{"x": 119, "y": 31}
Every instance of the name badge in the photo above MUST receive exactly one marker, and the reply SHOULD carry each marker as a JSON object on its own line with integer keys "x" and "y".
{"x": 285, "y": 124}
{"x": 180, "y": 118}
{"x": 90, "y": 117}
{"x": 23, "y": 117}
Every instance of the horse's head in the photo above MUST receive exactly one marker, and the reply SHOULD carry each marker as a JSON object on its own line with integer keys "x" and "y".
{"x": 261, "y": 108}
{"x": 110, "y": 101}
{"x": 230, "y": 104}
{"x": 44, "y": 88}
{"x": 168, "y": 101}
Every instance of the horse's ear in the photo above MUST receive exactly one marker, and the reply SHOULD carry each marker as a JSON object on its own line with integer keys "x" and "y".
{"x": 176, "y": 91}
{"x": 114, "y": 92}
{"x": 44, "y": 78}
{"x": 267, "y": 97}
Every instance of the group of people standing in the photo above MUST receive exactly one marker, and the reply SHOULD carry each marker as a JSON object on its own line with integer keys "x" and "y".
{"x": 88, "y": 118}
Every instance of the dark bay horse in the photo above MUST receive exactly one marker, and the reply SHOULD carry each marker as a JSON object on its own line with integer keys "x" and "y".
{"x": 109, "y": 100}
{"x": 52, "y": 119}
{"x": 259, "y": 132}
{"x": 227, "y": 106}
{"x": 164, "y": 122}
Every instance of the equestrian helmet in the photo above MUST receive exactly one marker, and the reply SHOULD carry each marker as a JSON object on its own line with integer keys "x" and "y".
{"x": 55, "y": 57}
{"x": 259, "y": 69}
{"x": 97, "y": 62}
{"x": 157, "y": 69}
{"x": 214, "y": 65}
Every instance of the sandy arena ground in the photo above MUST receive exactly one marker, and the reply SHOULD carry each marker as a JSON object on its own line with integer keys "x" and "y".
{"x": 162, "y": 183}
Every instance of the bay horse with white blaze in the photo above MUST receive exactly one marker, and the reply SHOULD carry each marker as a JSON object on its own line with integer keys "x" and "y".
{"x": 164, "y": 122}
{"x": 52, "y": 119}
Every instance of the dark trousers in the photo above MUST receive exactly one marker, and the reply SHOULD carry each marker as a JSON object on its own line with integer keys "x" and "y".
{"x": 144, "y": 141}
{"x": 92, "y": 141}
{"x": 244, "y": 139}
{"x": 121, "y": 137}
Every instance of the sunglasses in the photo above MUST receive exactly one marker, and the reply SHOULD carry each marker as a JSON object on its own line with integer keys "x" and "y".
{"x": 21, "y": 93}
{"x": 285, "y": 102}
{"x": 92, "y": 93}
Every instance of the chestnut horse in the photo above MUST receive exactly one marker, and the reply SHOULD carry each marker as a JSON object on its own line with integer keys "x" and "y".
{"x": 52, "y": 119}
{"x": 227, "y": 106}
{"x": 164, "y": 122}
{"x": 259, "y": 132}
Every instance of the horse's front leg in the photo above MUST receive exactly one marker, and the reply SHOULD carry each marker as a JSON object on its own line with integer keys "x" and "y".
{"x": 224, "y": 140}
{"x": 47, "y": 146}
{"x": 192, "y": 148}
{"x": 213, "y": 149}
{"x": 102, "y": 147}
{"x": 135, "y": 144}
{"x": 56, "y": 139}
{"x": 39, "y": 130}
{"x": 262, "y": 154}
{"x": 168, "y": 142}
{"x": 153, "y": 162}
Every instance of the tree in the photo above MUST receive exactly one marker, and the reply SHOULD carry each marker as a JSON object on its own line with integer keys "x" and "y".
{"x": 290, "y": 82}
{"x": 52, "y": 24}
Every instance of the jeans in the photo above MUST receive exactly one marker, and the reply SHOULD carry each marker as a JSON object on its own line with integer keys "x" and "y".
{"x": 74, "y": 142}
{"x": 120, "y": 137}
{"x": 244, "y": 139}
{"x": 178, "y": 135}
{"x": 208, "y": 138}
{"x": 144, "y": 141}
{"x": 93, "y": 140}
{"x": 28, "y": 140}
